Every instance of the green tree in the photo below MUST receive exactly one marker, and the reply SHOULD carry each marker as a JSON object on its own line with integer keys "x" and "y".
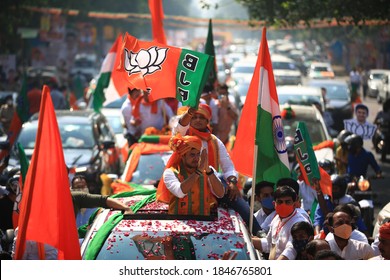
{"x": 290, "y": 12}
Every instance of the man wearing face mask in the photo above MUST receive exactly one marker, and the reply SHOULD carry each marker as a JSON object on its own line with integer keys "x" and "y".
{"x": 6, "y": 113}
{"x": 339, "y": 197}
{"x": 341, "y": 226}
{"x": 280, "y": 231}
{"x": 264, "y": 194}
{"x": 356, "y": 234}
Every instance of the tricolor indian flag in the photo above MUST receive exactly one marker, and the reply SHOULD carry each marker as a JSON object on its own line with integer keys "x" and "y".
{"x": 164, "y": 71}
{"x": 110, "y": 86}
{"x": 260, "y": 150}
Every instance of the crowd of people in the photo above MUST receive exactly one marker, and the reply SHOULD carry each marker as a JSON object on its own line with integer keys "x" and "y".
{"x": 295, "y": 221}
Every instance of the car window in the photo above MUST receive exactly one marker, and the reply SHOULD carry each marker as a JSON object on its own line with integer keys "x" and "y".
{"x": 314, "y": 127}
{"x": 283, "y": 65}
{"x": 115, "y": 124}
{"x": 338, "y": 92}
{"x": 150, "y": 167}
{"x": 298, "y": 99}
{"x": 159, "y": 245}
{"x": 76, "y": 135}
{"x": 72, "y": 135}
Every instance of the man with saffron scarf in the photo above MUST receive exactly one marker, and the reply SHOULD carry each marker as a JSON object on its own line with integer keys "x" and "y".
{"x": 145, "y": 113}
{"x": 196, "y": 122}
{"x": 192, "y": 183}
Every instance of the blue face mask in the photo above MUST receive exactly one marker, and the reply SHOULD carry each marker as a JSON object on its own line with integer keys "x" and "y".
{"x": 299, "y": 245}
{"x": 267, "y": 203}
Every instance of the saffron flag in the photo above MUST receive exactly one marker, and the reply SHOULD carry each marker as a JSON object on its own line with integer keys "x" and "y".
{"x": 164, "y": 71}
{"x": 20, "y": 116}
{"x": 157, "y": 13}
{"x": 110, "y": 85}
{"x": 210, "y": 50}
{"x": 261, "y": 125}
{"x": 46, "y": 209}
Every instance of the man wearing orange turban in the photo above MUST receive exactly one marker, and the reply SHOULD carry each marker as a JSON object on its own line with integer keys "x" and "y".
{"x": 196, "y": 122}
{"x": 188, "y": 184}
{"x": 384, "y": 242}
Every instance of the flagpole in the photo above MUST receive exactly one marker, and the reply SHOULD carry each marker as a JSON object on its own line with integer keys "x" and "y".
{"x": 252, "y": 203}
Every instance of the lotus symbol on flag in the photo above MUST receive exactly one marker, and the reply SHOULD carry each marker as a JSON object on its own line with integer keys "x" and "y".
{"x": 145, "y": 61}
{"x": 279, "y": 143}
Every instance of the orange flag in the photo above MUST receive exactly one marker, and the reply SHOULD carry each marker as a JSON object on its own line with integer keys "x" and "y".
{"x": 157, "y": 13}
{"x": 46, "y": 209}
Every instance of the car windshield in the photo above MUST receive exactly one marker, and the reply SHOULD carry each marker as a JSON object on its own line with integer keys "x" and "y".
{"x": 150, "y": 167}
{"x": 376, "y": 76}
{"x": 243, "y": 69}
{"x": 339, "y": 92}
{"x": 300, "y": 99}
{"x": 283, "y": 65}
{"x": 77, "y": 136}
{"x": 136, "y": 245}
{"x": 321, "y": 68}
{"x": 115, "y": 123}
{"x": 314, "y": 127}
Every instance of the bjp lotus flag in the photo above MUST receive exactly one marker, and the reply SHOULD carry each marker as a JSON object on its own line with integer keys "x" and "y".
{"x": 164, "y": 71}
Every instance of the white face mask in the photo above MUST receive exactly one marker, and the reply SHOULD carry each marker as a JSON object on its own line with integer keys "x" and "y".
{"x": 84, "y": 190}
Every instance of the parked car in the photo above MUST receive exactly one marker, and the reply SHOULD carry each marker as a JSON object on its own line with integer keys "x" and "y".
{"x": 375, "y": 83}
{"x": 338, "y": 100}
{"x": 153, "y": 234}
{"x": 88, "y": 143}
{"x": 320, "y": 70}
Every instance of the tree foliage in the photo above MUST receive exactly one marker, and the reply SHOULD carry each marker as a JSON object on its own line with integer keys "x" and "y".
{"x": 291, "y": 12}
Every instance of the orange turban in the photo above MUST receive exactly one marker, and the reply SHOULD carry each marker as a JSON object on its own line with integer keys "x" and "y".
{"x": 183, "y": 144}
{"x": 204, "y": 110}
{"x": 384, "y": 231}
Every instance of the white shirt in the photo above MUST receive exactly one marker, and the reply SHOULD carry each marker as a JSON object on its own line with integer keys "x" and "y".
{"x": 355, "y": 250}
{"x": 151, "y": 120}
{"x": 126, "y": 110}
{"x": 365, "y": 130}
{"x": 260, "y": 216}
{"x": 308, "y": 195}
{"x": 355, "y": 235}
{"x": 225, "y": 162}
{"x": 280, "y": 233}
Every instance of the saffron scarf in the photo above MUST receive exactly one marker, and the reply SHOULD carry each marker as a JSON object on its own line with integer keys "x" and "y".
{"x": 212, "y": 145}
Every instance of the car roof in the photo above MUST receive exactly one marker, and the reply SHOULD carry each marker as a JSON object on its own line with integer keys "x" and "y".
{"x": 297, "y": 90}
{"x": 326, "y": 82}
{"x": 152, "y": 220}
{"x": 77, "y": 116}
{"x": 303, "y": 111}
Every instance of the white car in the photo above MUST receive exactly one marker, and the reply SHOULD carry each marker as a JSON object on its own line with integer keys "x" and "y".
{"x": 375, "y": 83}
{"x": 320, "y": 70}
{"x": 286, "y": 71}
{"x": 151, "y": 233}
{"x": 300, "y": 95}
